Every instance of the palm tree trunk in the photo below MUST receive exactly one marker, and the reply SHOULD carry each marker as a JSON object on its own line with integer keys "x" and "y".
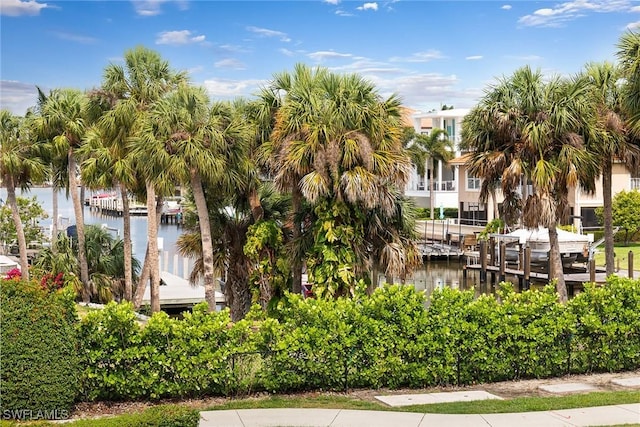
{"x": 296, "y": 265}
{"x": 555, "y": 264}
{"x": 146, "y": 266}
{"x": 142, "y": 281}
{"x": 78, "y": 212}
{"x": 494, "y": 201}
{"x": 207, "y": 245}
{"x": 152, "y": 255}
{"x": 22, "y": 241}
{"x": 238, "y": 281}
{"x": 128, "y": 252}
{"x": 257, "y": 212}
{"x": 54, "y": 222}
{"x": 608, "y": 217}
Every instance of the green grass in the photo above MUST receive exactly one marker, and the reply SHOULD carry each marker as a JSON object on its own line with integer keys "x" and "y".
{"x": 622, "y": 255}
{"x": 530, "y": 404}
{"x": 520, "y": 404}
{"x": 329, "y": 401}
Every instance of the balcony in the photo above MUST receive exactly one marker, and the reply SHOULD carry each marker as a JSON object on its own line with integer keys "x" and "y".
{"x": 635, "y": 183}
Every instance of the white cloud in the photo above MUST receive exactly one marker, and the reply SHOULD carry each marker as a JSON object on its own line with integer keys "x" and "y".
{"x": 333, "y": 2}
{"x": 195, "y": 70}
{"x": 368, "y": 6}
{"x": 78, "y": 38}
{"x": 327, "y": 54}
{"x": 424, "y": 90}
{"x": 231, "y": 64}
{"x": 227, "y": 88}
{"x": 148, "y": 7}
{"x": 285, "y": 52}
{"x": 18, "y": 96}
{"x": 264, "y": 32}
{"x": 568, "y": 11}
{"x": 635, "y": 9}
{"x": 426, "y": 56}
{"x": 506, "y": 7}
{"x": 154, "y": 7}
{"x": 181, "y": 37}
{"x": 633, "y": 25}
{"x": 20, "y": 8}
{"x": 341, "y": 12}
{"x": 525, "y": 57}
{"x": 473, "y": 57}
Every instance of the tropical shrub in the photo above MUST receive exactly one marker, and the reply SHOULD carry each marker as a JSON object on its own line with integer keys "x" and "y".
{"x": 393, "y": 338}
{"x": 39, "y": 366}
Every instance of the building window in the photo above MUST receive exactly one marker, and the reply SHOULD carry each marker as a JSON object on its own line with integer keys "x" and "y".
{"x": 421, "y": 183}
{"x": 473, "y": 183}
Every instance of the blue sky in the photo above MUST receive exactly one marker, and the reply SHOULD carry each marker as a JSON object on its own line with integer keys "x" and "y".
{"x": 429, "y": 52}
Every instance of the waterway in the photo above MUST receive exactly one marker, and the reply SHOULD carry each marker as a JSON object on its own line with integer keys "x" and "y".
{"x": 430, "y": 276}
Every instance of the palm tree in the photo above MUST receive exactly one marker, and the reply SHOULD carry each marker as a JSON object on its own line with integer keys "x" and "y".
{"x": 230, "y": 218}
{"x": 18, "y": 169}
{"x": 531, "y": 130}
{"x": 609, "y": 139}
{"x": 64, "y": 115}
{"x": 105, "y": 256}
{"x": 197, "y": 140}
{"x": 132, "y": 90}
{"x": 438, "y": 148}
{"x": 629, "y": 56}
{"x": 338, "y": 144}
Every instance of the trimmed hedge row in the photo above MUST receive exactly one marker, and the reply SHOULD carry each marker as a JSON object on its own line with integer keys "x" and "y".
{"x": 386, "y": 340}
{"x": 38, "y": 349}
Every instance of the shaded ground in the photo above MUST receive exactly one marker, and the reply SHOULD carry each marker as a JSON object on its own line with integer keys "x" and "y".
{"x": 506, "y": 389}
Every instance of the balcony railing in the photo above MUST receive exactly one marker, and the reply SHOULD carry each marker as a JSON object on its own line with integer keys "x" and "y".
{"x": 437, "y": 186}
{"x": 635, "y": 183}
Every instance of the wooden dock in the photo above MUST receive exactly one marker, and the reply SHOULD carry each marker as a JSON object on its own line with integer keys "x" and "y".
{"x": 494, "y": 269}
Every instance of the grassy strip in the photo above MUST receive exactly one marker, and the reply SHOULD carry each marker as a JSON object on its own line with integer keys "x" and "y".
{"x": 530, "y": 404}
{"x": 622, "y": 255}
{"x": 520, "y": 404}
{"x": 175, "y": 415}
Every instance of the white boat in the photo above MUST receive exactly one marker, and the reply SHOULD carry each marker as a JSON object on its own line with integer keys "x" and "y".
{"x": 573, "y": 246}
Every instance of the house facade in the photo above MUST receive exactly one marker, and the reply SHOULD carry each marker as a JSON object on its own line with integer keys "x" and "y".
{"x": 443, "y": 179}
{"x": 455, "y": 187}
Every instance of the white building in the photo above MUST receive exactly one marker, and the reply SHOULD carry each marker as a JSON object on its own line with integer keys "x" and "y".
{"x": 455, "y": 188}
{"x": 445, "y": 177}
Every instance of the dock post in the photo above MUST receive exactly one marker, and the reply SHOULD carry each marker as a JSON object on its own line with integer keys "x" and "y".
{"x": 503, "y": 261}
{"x": 630, "y": 265}
{"x": 492, "y": 251}
{"x": 483, "y": 261}
{"x": 464, "y": 277}
{"x": 527, "y": 267}
{"x": 592, "y": 270}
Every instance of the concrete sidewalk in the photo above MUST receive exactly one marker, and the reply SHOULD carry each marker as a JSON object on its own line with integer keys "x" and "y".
{"x": 597, "y": 416}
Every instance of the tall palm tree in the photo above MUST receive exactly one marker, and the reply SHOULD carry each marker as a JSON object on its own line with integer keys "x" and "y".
{"x": 283, "y": 117}
{"x": 629, "y": 55}
{"x": 336, "y": 142}
{"x": 64, "y": 115}
{"x": 197, "y": 141}
{"x": 438, "y": 148}
{"x": 532, "y": 130}
{"x": 609, "y": 139}
{"x": 19, "y": 168}
{"x": 132, "y": 90}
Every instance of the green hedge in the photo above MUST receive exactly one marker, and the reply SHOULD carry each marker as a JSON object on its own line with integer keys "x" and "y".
{"x": 387, "y": 340}
{"x": 39, "y": 370}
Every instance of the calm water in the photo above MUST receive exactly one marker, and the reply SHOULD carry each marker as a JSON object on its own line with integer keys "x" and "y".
{"x": 433, "y": 275}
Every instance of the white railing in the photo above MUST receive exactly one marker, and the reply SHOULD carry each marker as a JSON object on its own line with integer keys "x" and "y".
{"x": 635, "y": 183}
